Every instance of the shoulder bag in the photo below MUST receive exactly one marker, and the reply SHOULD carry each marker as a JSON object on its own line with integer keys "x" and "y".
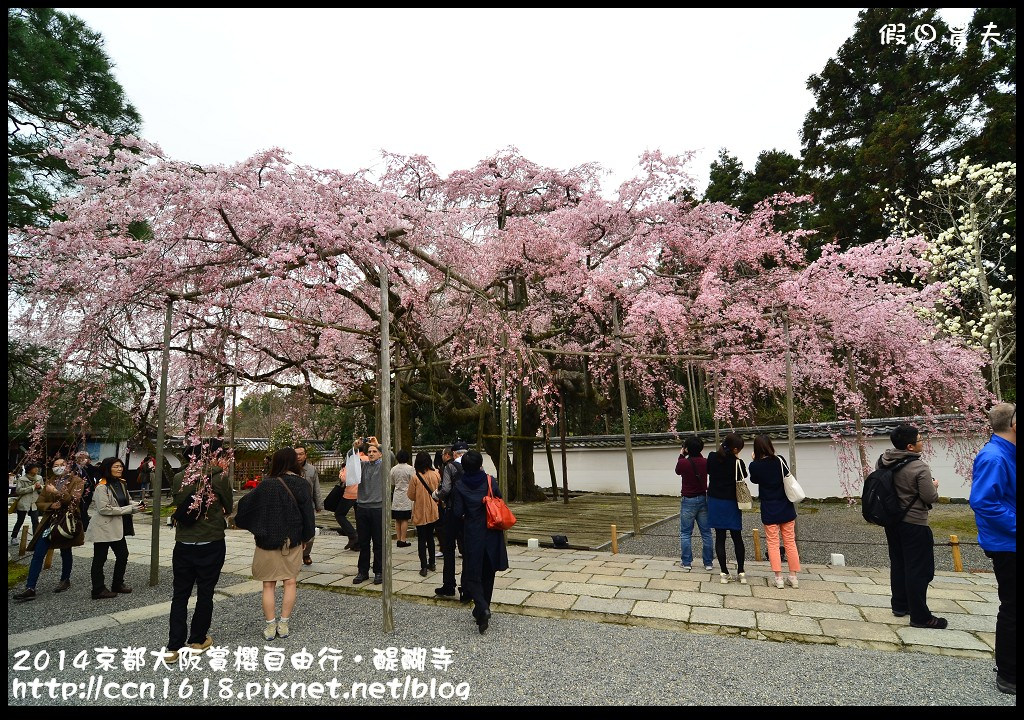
{"x": 794, "y": 492}
{"x": 427, "y": 488}
{"x": 287, "y": 541}
{"x": 333, "y": 498}
{"x": 499, "y": 517}
{"x": 743, "y": 498}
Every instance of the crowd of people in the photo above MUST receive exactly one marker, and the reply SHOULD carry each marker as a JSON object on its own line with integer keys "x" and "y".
{"x": 78, "y": 503}
{"x": 709, "y": 499}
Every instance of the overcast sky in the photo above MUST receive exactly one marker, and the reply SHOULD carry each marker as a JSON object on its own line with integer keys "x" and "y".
{"x": 335, "y": 87}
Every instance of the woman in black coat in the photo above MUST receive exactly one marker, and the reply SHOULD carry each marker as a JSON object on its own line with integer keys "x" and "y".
{"x": 483, "y": 551}
{"x": 279, "y": 513}
{"x": 725, "y": 469}
{"x": 777, "y": 511}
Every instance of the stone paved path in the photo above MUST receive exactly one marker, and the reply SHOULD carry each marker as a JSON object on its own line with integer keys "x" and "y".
{"x": 844, "y": 606}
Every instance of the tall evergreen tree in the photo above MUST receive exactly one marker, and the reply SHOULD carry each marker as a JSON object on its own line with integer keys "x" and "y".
{"x": 887, "y": 117}
{"x": 776, "y": 171}
{"x": 58, "y": 80}
{"x": 725, "y": 181}
{"x": 988, "y": 75}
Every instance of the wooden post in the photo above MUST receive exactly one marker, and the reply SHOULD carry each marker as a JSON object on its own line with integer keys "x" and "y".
{"x": 397, "y": 419}
{"x": 385, "y": 444}
{"x": 503, "y": 454}
{"x": 551, "y": 462}
{"x": 565, "y": 472}
{"x": 858, "y": 426}
{"x": 790, "y": 413}
{"x": 615, "y": 540}
{"x": 790, "y": 420}
{"x": 49, "y": 559}
{"x": 520, "y": 444}
{"x": 158, "y": 475}
{"x": 625, "y": 420}
{"x": 693, "y": 396}
{"x": 958, "y": 563}
{"x": 757, "y": 544}
{"x": 24, "y": 540}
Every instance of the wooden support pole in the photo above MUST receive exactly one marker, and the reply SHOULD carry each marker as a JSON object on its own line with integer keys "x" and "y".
{"x": 757, "y": 544}
{"x": 24, "y": 540}
{"x": 692, "y": 392}
{"x": 958, "y": 563}
{"x": 161, "y": 429}
{"x": 551, "y": 462}
{"x": 615, "y": 540}
{"x": 625, "y": 421}
{"x": 384, "y": 419}
{"x": 520, "y": 448}
{"x": 49, "y": 559}
{"x": 565, "y": 472}
{"x": 865, "y": 466}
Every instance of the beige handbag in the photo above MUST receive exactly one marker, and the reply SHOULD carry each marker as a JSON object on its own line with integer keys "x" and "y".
{"x": 743, "y": 498}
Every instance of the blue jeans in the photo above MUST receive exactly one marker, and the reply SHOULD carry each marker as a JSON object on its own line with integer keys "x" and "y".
{"x": 39, "y": 555}
{"x": 690, "y": 509}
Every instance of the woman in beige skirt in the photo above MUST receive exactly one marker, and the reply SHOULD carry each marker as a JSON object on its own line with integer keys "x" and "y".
{"x": 279, "y": 514}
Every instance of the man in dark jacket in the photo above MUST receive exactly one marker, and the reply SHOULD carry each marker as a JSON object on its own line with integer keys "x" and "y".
{"x": 83, "y": 468}
{"x": 911, "y": 553}
{"x": 994, "y": 501}
{"x": 451, "y": 525}
{"x": 199, "y": 552}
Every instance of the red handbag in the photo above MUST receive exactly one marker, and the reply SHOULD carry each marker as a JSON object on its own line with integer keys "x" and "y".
{"x": 499, "y": 517}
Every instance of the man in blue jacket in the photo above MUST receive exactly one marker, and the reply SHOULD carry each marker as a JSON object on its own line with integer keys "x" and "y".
{"x": 994, "y": 501}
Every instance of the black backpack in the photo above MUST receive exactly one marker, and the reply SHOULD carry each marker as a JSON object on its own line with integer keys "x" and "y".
{"x": 880, "y": 504}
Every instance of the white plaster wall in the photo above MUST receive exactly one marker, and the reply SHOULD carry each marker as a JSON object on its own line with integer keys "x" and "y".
{"x": 604, "y": 469}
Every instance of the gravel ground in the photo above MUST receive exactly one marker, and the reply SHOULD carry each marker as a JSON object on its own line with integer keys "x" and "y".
{"x": 520, "y": 661}
{"x": 826, "y": 528}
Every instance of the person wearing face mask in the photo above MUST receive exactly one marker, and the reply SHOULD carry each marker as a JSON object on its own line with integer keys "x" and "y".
{"x": 111, "y": 523}
{"x": 62, "y": 493}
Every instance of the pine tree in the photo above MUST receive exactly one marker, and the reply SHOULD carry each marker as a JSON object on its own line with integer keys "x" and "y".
{"x": 725, "y": 181}
{"x": 58, "y": 80}
{"x": 887, "y": 117}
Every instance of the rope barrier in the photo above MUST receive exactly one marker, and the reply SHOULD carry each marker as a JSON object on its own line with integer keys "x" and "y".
{"x": 804, "y": 540}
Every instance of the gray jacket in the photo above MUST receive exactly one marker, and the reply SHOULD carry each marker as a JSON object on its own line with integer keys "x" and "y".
{"x": 913, "y": 478}
{"x": 371, "y": 486}
{"x": 313, "y": 478}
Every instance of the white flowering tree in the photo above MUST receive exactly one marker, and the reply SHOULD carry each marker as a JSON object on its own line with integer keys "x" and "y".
{"x": 969, "y": 220}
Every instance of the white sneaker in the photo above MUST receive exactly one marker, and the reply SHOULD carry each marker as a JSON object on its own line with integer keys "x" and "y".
{"x": 793, "y": 582}
{"x": 779, "y": 583}
{"x": 270, "y": 631}
{"x": 725, "y": 578}
{"x": 686, "y": 568}
{"x": 709, "y": 568}
{"x": 282, "y": 628}
{"x": 743, "y": 578}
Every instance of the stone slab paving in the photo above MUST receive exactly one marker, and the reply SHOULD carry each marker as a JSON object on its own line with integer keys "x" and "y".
{"x": 837, "y": 605}
{"x": 722, "y": 616}
{"x": 643, "y": 594}
{"x": 786, "y": 623}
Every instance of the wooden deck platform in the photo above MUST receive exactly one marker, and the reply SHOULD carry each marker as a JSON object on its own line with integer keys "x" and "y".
{"x": 586, "y": 521}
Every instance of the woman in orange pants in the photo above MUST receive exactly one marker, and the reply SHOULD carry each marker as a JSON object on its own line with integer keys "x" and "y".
{"x": 777, "y": 512}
